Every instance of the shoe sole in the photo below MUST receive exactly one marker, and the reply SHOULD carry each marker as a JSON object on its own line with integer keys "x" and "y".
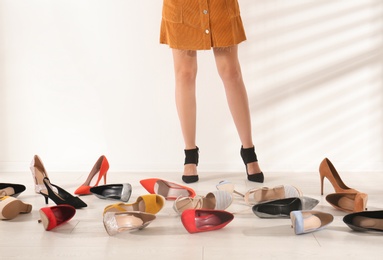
{"x": 14, "y": 208}
{"x": 44, "y": 219}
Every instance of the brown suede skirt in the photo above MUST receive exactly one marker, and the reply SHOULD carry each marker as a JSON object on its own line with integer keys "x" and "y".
{"x": 201, "y": 24}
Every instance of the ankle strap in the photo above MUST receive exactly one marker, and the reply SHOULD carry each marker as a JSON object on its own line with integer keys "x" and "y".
{"x": 191, "y": 156}
{"x": 248, "y": 155}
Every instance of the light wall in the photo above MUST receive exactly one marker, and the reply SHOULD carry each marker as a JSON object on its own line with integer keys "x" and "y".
{"x": 81, "y": 78}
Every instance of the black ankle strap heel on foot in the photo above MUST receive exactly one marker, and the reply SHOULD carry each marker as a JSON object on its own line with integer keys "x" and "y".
{"x": 248, "y": 156}
{"x": 191, "y": 157}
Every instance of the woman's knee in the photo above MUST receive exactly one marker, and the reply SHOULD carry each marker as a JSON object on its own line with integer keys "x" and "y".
{"x": 186, "y": 74}
{"x": 230, "y": 73}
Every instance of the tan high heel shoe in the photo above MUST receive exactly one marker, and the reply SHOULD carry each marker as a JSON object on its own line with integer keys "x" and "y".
{"x": 117, "y": 222}
{"x": 306, "y": 221}
{"x": 348, "y": 202}
{"x": 327, "y": 169}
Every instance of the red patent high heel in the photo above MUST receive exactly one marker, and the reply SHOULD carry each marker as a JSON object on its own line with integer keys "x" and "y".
{"x": 100, "y": 168}
{"x": 55, "y": 216}
{"x": 202, "y": 220}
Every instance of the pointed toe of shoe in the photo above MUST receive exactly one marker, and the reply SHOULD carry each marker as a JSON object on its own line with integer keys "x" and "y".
{"x": 149, "y": 184}
{"x": 202, "y": 220}
{"x": 169, "y": 190}
{"x": 77, "y": 203}
{"x": 308, "y": 203}
{"x": 83, "y": 190}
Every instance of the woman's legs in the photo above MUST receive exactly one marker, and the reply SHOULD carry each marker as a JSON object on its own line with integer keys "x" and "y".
{"x": 185, "y": 69}
{"x": 229, "y": 70}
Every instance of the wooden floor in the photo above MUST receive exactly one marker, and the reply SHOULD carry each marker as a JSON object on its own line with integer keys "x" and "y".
{"x": 246, "y": 237}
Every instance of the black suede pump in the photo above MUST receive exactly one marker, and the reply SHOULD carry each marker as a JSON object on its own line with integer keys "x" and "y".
{"x": 191, "y": 157}
{"x": 248, "y": 156}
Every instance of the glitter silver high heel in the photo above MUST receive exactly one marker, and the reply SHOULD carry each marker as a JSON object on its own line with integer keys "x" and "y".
{"x": 117, "y": 222}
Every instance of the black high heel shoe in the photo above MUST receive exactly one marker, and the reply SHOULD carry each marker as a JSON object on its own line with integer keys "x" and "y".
{"x": 121, "y": 191}
{"x": 191, "y": 157}
{"x": 11, "y": 189}
{"x": 365, "y": 221}
{"x": 61, "y": 196}
{"x": 248, "y": 156}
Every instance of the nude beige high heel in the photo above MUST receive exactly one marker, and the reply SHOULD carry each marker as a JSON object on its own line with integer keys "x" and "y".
{"x": 257, "y": 195}
{"x": 327, "y": 169}
{"x": 348, "y": 202}
{"x": 39, "y": 173}
{"x": 117, "y": 222}
{"x": 308, "y": 221}
{"x": 218, "y": 200}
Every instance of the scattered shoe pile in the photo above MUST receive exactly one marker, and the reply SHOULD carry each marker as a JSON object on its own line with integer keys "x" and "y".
{"x": 197, "y": 213}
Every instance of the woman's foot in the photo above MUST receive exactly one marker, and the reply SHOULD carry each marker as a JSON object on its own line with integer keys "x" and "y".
{"x": 253, "y": 168}
{"x": 253, "y": 171}
{"x": 190, "y": 170}
{"x": 190, "y": 166}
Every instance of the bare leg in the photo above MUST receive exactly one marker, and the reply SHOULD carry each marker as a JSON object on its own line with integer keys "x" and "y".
{"x": 185, "y": 68}
{"x": 230, "y": 72}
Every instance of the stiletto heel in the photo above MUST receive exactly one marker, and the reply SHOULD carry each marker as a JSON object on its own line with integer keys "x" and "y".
{"x": 101, "y": 168}
{"x": 45, "y": 197}
{"x": 191, "y": 157}
{"x": 61, "y": 196}
{"x": 229, "y": 187}
{"x": 248, "y": 156}
{"x": 327, "y": 169}
{"x": 321, "y": 184}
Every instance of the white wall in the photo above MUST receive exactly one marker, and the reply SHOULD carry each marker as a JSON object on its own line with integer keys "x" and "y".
{"x": 81, "y": 78}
